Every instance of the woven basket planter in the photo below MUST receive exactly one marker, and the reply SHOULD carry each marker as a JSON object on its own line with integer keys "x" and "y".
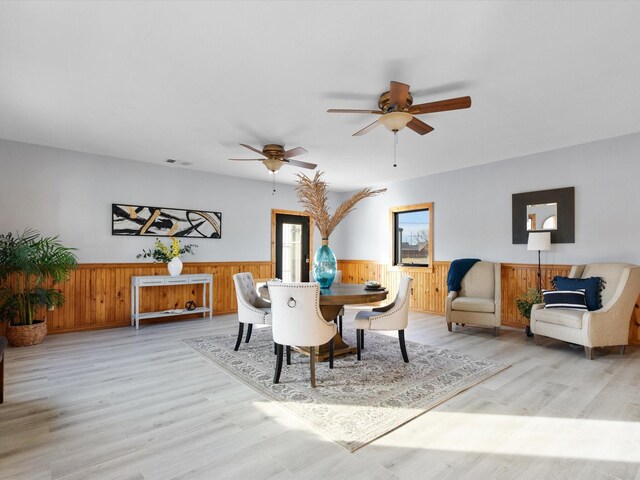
{"x": 25, "y": 335}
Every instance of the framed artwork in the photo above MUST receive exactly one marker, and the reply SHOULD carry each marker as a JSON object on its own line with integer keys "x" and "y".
{"x": 139, "y": 220}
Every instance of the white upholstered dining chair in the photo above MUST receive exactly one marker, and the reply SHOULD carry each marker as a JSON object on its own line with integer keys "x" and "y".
{"x": 251, "y": 308}
{"x": 297, "y": 321}
{"x": 394, "y": 316}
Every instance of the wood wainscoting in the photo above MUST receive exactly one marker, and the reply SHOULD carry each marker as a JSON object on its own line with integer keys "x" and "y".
{"x": 430, "y": 286}
{"x": 98, "y": 295}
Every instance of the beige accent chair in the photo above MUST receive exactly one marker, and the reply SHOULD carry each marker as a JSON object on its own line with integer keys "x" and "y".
{"x": 251, "y": 308}
{"x": 606, "y": 327}
{"x": 394, "y": 316}
{"x": 479, "y": 301}
{"x": 297, "y": 321}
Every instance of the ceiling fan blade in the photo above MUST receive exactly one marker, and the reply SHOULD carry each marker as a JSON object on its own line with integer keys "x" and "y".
{"x": 441, "y": 106}
{"x": 294, "y": 152}
{"x": 253, "y": 149}
{"x": 419, "y": 126}
{"x": 247, "y": 159}
{"x": 398, "y": 94}
{"x": 368, "y": 128}
{"x": 298, "y": 163}
{"x": 349, "y": 110}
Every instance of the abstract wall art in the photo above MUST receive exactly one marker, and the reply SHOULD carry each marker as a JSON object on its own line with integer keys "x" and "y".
{"x": 136, "y": 220}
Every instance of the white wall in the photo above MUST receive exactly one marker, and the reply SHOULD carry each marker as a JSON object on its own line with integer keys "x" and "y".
{"x": 70, "y": 194}
{"x": 473, "y": 207}
{"x": 67, "y": 193}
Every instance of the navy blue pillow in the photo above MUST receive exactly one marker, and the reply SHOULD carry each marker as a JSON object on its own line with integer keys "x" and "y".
{"x": 592, "y": 287}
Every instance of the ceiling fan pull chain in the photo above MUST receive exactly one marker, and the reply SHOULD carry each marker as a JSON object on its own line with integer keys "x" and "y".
{"x": 274, "y": 183}
{"x": 395, "y": 147}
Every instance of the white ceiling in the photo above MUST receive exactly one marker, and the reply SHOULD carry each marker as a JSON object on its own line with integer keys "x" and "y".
{"x": 190, "y": 80}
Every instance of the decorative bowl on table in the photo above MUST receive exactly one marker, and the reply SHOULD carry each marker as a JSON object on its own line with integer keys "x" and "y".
{"x": 372, "y": 285}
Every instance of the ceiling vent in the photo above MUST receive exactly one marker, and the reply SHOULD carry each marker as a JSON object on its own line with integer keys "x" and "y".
{"x": 173, "y": 161}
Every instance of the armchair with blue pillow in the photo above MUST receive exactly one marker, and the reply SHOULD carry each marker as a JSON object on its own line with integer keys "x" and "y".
{"x": 475, "y": 296}
{"x": 610, "y": 292}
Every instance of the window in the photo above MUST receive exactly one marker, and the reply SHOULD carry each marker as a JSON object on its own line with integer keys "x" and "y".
{"x": 412, "y": 235}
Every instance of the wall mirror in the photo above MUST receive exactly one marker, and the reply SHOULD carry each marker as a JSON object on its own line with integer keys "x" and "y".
{"x": 544, "y": 211}
{"x": 543, "y": 216}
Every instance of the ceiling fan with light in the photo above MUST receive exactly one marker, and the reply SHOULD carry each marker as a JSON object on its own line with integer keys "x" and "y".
{"x": 275, "y": 156}
{"x": 397, "y": 111}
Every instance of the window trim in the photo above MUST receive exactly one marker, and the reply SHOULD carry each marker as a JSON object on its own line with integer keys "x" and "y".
{"x": 408, "y": 208}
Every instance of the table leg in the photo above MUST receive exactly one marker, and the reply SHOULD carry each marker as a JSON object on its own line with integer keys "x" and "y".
{"x": 137, "y": 307}
{"x": 204, "y": 298}
{"x": 211, "y": 299}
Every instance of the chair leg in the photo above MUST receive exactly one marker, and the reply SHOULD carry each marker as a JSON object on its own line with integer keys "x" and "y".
{"x": 362, "y": 339}
{"x": 588, "y": 352}
{"x": 622, "y": 349}
{"x": 240, "y": 331}
{"x": 403, "y": 347}
{"x": 496, "y": 331}
{"x": 340, "y": 324}
{"x": 276, "y": 376}
{"x": 288, "y": 354}
{"x": 249, "y": 330}
{"x": 312, "y": 364}
{"x": 331, "y": 349}
{"x": 450, "y": 327}
{"x": 358, "y": 338}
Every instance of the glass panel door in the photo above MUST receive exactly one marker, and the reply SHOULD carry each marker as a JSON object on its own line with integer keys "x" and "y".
{"x": 291, "y": 252}
{"x": 292, "y": 247}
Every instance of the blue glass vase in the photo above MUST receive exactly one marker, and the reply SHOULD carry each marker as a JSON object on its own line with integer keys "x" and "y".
{"x": 325, "y": 265}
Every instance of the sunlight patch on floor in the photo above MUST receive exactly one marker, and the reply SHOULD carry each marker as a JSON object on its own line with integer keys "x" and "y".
{"x": 345, "y": 432}
{"x": 605, "y": 440}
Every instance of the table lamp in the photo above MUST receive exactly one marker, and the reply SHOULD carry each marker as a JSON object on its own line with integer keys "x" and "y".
{"x": 539, "y": 241}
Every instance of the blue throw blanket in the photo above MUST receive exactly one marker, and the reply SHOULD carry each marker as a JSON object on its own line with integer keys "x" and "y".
{"x": 457, "y": 270}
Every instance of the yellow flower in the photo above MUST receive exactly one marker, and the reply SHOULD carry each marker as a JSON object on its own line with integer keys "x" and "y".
{"x": 175, "y": 247}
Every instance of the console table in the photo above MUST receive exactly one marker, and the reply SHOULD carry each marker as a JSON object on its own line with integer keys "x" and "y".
{"x": 165, "y": 280}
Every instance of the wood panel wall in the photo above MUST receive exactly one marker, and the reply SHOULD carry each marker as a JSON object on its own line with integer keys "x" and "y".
{"x": 99, "y": 295}
{"x": 430, "y": 286}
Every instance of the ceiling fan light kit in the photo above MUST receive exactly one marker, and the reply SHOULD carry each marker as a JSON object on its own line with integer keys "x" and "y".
{"x": 395, "y": 121}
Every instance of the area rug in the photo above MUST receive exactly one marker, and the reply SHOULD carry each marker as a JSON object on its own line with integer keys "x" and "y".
{"x": 356, "y": 402}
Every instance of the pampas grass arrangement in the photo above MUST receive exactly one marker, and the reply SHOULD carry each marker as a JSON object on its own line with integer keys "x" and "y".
{"x": 312, "y": 193}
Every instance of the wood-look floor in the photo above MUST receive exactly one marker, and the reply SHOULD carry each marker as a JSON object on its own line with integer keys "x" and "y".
{"x": 125, "y": 404}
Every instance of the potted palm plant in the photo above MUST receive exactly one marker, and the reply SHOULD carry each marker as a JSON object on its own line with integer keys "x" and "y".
{"x": 30, "y": 266}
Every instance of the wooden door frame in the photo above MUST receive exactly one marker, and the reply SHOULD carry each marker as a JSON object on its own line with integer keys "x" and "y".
{"x": 274, "y": 212}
